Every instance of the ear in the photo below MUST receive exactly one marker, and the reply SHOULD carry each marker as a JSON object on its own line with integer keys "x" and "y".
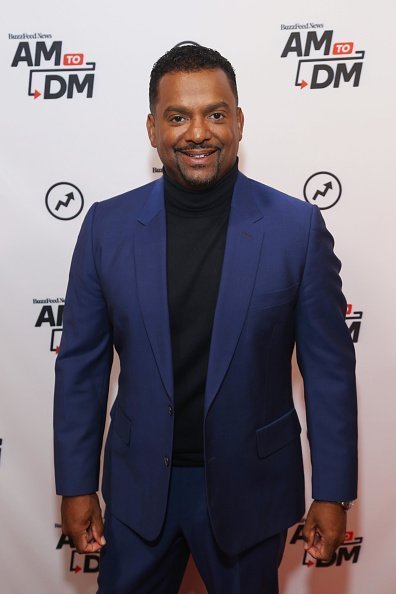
{"x": 240, "y": 121}
{"x": 150, "y": 125}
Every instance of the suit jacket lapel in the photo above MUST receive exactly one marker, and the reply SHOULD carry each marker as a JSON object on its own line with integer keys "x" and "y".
{"x": 150, "y": 262}
{"x": 241, "y": 258}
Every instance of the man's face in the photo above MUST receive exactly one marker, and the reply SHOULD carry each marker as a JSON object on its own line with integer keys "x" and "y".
{"x": 196, "y": 126}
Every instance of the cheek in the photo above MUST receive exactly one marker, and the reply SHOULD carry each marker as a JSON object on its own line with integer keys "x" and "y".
{"x": 230, "y": 146}
{"x": 230, "y": 137}
{"x": 166, "y": 141}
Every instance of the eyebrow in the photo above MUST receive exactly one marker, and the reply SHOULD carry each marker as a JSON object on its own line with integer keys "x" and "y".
{"x": 210, "y": 107}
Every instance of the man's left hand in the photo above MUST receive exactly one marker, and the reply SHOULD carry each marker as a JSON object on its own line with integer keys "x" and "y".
{"x": 324, "y": 529}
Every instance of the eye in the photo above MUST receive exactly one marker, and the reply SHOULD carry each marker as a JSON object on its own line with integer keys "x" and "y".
{"x": 177, "y": 119}
{"x": 217, "y": 116}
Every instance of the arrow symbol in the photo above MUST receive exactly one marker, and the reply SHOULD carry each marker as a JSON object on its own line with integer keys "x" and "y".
{"x": 77, "y": 569}
{"x": 69, "y": 197}
{"x": 310, "y": 563}
{"x": 36, "y": 94}
{"x": 303, "y": 84}
{"x": 328, "y": 186}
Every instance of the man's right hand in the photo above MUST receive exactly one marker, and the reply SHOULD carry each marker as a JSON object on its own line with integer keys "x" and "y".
{"x": 82, "y": 521}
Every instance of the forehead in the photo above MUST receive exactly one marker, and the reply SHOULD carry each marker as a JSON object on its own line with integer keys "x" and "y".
{"x": 194, "y": 88}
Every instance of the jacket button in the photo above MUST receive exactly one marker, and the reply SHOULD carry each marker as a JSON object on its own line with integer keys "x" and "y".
{"x": 166, "y": 461}
{"x": 170, "y": 410}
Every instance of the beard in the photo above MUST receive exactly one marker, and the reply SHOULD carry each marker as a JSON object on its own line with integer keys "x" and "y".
{"x": 199, "y": 176}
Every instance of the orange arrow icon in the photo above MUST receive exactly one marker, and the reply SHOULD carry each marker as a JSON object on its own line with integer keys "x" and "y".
{"x": 36, "y": 93}
{"x": 303, "y": 84}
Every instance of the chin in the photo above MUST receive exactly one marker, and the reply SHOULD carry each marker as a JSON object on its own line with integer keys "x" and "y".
{"x": 200, "y": 181}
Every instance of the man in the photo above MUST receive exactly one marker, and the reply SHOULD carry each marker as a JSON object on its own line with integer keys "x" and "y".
{"x": 203, "y": 281}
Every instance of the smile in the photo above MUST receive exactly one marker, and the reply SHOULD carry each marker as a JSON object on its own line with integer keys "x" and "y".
{"x": 197, "y": 155}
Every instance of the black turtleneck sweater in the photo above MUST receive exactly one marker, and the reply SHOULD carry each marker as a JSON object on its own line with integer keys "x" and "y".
{"x": 196, "y": 233}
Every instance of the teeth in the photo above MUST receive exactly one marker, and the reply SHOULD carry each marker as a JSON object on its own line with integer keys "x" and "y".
{"x": 202, "y": 156}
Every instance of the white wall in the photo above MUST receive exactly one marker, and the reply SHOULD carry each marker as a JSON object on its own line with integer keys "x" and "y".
{"x": 99, "y": 144}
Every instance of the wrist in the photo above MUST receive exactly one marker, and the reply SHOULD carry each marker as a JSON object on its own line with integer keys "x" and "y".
{"x": 345, "y": 505}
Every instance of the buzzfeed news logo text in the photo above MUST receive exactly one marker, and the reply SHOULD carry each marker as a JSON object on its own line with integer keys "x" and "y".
{"x": 52, "y": 72}
{"x": 323, "y": 60}
{"x": 51, "y": 316}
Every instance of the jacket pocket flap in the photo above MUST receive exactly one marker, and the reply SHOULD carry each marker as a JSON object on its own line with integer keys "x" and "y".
{"x": 277, "y": 434}
{"x": 122, "y": 425}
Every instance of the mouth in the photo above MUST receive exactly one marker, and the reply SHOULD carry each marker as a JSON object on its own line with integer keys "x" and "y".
{"x": 201, "y": 155}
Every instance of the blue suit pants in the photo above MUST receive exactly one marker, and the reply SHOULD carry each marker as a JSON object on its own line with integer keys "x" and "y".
{"x": 132, "y": 565}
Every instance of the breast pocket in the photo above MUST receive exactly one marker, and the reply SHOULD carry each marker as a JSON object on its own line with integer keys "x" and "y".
{"x": 265, "y": 299}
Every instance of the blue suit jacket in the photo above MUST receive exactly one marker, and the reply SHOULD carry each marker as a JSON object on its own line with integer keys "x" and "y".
{"x": 279, "y": 285}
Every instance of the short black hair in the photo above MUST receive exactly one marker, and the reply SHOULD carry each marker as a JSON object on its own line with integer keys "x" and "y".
{"x": 189, "y": 56}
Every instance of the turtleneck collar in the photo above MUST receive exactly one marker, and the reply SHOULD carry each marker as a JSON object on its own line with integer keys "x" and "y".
{"x": 192, "y": 203}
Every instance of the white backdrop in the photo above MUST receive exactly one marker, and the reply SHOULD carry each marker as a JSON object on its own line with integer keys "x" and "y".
{"x": 95, "y": 139}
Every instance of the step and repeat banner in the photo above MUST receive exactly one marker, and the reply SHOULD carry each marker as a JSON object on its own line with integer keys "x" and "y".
{"x": 317, "y": 85}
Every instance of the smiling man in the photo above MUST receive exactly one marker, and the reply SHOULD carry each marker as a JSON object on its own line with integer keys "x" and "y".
{"x": 196, "y": 126}
{"x": 203, "y": 281}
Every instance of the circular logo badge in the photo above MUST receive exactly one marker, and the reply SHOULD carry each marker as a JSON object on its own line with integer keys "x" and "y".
{"x": 323, "y": 189}
{"x": 64, "y": 201}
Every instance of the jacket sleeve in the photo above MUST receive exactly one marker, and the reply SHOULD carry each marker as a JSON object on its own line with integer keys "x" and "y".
{"x": 82, "y": 373}
{"x": 326, "y": 359}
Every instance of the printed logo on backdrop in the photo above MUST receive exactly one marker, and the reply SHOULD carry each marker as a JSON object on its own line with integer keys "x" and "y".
{"x": 158, "y": 169}
{"x": 64, "y": 201}
{"x": 87, "y": 563}
{"x": 348, "y": 552}
{"x": 323, "y": 60}
{"x": 354, "y": 322}
{"x": 51, "y": 72}
{"x": 323, "y": 189}
{"x": 50, "y": 318}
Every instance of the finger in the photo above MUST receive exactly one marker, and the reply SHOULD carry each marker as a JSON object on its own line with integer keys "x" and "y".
{"x": 93, "y": 547}
{"x": 309, "y": 537}
{"x": 314, "y": 546}
{"x": 313, "y": 552}
{"x": 328, "y": 550}
{"x": 84, "y": 545}
{"x": 323, "y": 550}
{"x": 90, "y": 536}
{"x": 81, "y": 542}
{"x": 97, "y": 532}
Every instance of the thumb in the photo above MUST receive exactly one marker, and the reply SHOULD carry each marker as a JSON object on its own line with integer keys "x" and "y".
{"x": 309, "y": 537}
{"x": 309, "y": 532}
{"x": 97, "y": 529}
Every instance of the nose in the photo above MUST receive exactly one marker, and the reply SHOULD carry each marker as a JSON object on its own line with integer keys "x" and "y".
{"x": 198, "y": 130}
